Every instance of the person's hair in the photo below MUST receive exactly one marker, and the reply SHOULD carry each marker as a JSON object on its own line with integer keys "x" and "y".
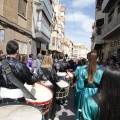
{"x": 11, "y": 47}
{"x": 47, "y": 62}
{"x": 61, "y": 56}
{"x": 24, "y": 58}
{"x": 79, "y": 63}
{"x": 30, "y": 55}
{"x": 1, "y": 52}
{"x": 40, "y": 56}
{"x": 83, "y": 61}
{"x": 109, "y": 91}
{"x": 92, "y": 66}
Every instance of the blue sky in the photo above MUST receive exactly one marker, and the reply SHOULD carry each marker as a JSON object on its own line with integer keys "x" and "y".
{"x": 79, "y": 18}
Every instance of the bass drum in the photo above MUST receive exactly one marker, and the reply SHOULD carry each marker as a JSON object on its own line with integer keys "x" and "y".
{"x": 43, "y": 95}
{"x": 21, "y": 111}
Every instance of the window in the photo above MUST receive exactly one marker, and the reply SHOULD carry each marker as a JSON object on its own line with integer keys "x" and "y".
{"x": 22, "y": 47}
{"x": 22, "y": 7}
{"x": 53, "y": 41}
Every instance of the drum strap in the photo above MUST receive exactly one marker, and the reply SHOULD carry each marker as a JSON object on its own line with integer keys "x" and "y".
{"x": 14, "y": 80}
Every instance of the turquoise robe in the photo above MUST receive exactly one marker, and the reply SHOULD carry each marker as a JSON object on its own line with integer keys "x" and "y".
{"x": 90, "y": 110}
{"x": 81, "y": 91}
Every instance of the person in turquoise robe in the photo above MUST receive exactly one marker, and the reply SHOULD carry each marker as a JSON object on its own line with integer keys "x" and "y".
{"x": 84, "y": 88}
{"x": 90, "y": 110}
{"x": 105, "y": 104}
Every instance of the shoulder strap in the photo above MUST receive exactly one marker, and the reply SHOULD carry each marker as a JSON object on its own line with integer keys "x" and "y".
{"x": 14, "y": 80}
{"x": 61, "y": 66}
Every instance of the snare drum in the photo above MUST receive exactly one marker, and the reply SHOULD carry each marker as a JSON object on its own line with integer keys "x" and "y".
{"x": 43, "y": 95}
{"x": 63, "y": 92}
{"x": 12, "y": 111}
{"x": 46, "y": 83}
{"x": 61, "y": 74}
{"x": 70, "y": 74}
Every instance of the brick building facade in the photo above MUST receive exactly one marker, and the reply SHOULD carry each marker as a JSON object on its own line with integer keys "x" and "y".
{"x": 16, "y": 24}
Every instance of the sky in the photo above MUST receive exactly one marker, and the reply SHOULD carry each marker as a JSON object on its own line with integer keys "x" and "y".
{"x": 79, "y": 18}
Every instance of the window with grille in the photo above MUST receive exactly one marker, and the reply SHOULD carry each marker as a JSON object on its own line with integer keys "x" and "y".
{"x": 22, "y": 7}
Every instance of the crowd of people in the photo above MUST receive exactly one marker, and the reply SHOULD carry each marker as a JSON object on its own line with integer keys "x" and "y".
{"x": 96, "y": 83}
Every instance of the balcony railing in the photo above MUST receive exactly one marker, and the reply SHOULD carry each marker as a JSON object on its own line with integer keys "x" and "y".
{"x": 40, "y": 26}
{"x": 111, "y": 23}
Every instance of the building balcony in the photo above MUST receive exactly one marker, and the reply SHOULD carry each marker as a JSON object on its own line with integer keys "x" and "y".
{"x": 99, "y": 15}
{"x": 99, "y": 22}
{"x": 48, "y": 6}
{"x": 63, "y": 19}
{"x": 107, "y": 5}
{"x": 47, "y": 10}
{"x": 98, "y": 42}
{"x": 42, "y": 33}
{"x": 63, "y": 30}
{"x": 59, "y": 26}
{"x": 99, "y": 4}
{"x": 63, "y": 9}
{"x": 55, "y": 34}
{"x": 112, "y": 28}
{"x": 62, "y": 40}
{"x": 52, "y": 47}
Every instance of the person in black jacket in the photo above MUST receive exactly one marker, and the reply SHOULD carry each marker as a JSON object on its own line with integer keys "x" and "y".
{"x": 49, "y": 73}
{"x": 64, "y": 65}
{"x": 9, "y": 92}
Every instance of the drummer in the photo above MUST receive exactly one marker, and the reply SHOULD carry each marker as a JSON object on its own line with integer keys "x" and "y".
{"x": 9, "y": 92}
{"x": 62, "y": 65}
{"x": 50, "y": 74}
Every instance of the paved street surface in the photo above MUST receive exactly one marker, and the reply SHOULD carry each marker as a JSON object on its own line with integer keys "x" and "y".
{"x": 66, "y": 111}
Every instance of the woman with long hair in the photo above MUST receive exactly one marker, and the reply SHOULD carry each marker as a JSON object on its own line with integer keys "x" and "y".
{"x": 50, "y": 74}
{"x": 88, "y": 80}
{"x": 105, "y": 104}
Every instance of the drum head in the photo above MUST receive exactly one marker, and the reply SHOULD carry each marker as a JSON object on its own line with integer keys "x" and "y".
{"x": 20, "y": 112}
{"x": 62, "y": 84}
{"x": 46, "y": 83}
{"x": 61, "y": 73}
{"x": 40, "y": 92}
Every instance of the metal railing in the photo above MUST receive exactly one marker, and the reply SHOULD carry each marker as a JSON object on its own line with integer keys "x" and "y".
{"x": 112, "y": 22}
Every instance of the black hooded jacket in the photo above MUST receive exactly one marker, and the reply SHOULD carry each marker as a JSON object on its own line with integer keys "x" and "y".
{"x": 20, "y": 70}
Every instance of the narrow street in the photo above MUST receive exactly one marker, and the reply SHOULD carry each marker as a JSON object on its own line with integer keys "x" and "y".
{"x": 66, "y": 111}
